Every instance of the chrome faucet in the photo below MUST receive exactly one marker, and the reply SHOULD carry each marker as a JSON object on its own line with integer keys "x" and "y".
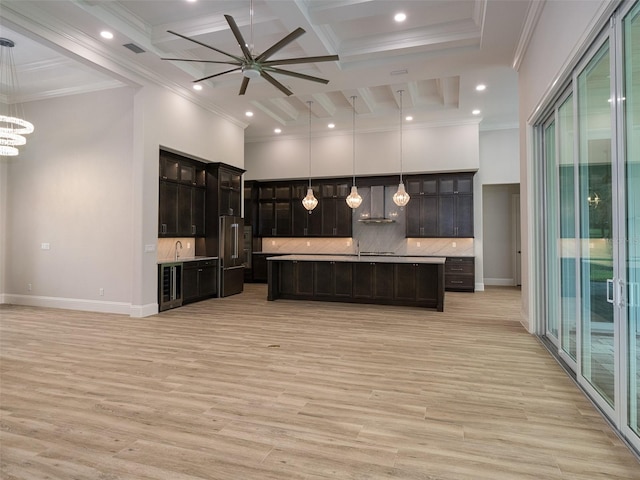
{"x": 178, "y": 242}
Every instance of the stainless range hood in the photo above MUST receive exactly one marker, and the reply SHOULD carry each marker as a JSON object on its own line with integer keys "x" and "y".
{"x": 377, "y": 207}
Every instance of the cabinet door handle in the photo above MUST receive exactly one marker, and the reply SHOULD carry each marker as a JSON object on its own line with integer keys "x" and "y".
{"x": 456, "y": 281}
{"x": 193, "y": 229}
{"x": 335, "y": 230}
{"x": 305, "y": 231}
{"x": 164, "y": 228}
{"x": 421, "y": 230}
{"x": 456, "y": 269}
{"x": 273, "y": 231}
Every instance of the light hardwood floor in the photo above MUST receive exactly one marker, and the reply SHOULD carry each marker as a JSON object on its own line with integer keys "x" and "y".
{"x": 242, "y": 388}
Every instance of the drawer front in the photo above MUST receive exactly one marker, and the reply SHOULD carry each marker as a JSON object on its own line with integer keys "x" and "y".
{"x": 459, "y": 268}
{"x": 458, "y": 260}
{"x": 459, "y": 282}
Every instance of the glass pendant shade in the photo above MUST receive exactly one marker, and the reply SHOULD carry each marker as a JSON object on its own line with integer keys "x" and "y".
{"x": 401, "y": 197}
{"x": 354, "y": 199}
{"x": 309, "y": 202}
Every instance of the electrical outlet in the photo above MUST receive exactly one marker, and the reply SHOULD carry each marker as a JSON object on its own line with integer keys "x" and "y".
{"x": 453, "y": 244}
{"x": 29, "y": 286}
{"x": 45, "y": 246}
{"x": 188, "y": 245}
{"x": 150, "y": 248}
{"x": 418, "y": 244}
{"x": 308, "y": 243}
{"x": 273, "y": 242}
{"x": 101, "y": 291}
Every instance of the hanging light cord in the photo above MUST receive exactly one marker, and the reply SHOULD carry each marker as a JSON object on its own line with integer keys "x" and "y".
{"x": 309, "y": 103}
{"x": 353, "y": 101}
{"x": 400, "y": 92}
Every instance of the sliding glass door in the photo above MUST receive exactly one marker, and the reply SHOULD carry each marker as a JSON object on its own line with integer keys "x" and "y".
{"x": 630, "y": 99}
{"x": 590, "y": 193}
{"x": 596, "y": 224}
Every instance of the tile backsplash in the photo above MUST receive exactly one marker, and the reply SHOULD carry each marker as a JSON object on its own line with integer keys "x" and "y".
{"x": 167, "y": 248}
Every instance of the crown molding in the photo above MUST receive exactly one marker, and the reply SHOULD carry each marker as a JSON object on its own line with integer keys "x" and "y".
{"x": 533, "y": 15}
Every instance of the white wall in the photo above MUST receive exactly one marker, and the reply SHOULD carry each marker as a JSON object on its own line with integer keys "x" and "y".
{"x": 87, "y": 184}
{"x": 3, "y": 224}
{"x": 425, "y": 149}
{"x": 71, "y": 188}
{"x": 562, "y": 31}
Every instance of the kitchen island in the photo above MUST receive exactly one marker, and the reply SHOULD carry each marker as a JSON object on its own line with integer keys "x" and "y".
{"x": 386, "y": 280}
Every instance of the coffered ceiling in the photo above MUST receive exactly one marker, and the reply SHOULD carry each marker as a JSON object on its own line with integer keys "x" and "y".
{"x": 436, "y": 56}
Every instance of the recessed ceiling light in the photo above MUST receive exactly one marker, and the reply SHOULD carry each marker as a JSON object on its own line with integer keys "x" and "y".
{"x": 481, "y": 87}
{"x": 400, "y": 17}
{"x": 331, "y": 125}
{"x": 249, "y": 114}
{"x": 476, "y": 112}
{"x": 192, "y": 1}
{"x": 106, "y": 34}
{"x": 277, "y": 130}
{"x": 197, "y": 86}
{"x": 408, "y": 118}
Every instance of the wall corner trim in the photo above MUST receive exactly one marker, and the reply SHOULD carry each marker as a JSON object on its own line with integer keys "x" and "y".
{"x": 140, "y": 311}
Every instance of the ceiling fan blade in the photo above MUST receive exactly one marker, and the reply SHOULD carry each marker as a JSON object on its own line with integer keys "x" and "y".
{"x": 291, "y": 61}
{"x": 236, "y": 58}
{"x": 278, "y": 45}
{"x": 216, "y": 75}
{"x": 245, "y": 84}
{"x": 236, "y": 32}
{"x": 205, "y": 61}
{"x": 276, "y": 83}
{"x": 296, "y": 74}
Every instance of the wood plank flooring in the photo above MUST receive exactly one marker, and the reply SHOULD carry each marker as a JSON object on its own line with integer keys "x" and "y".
{"x": 242, "y": 388}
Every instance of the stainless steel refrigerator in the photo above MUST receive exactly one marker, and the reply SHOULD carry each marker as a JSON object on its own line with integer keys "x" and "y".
{"x": 231, "y": 268}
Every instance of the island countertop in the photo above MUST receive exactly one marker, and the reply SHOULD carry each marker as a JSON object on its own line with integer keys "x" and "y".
{"x": 356, "y": 258}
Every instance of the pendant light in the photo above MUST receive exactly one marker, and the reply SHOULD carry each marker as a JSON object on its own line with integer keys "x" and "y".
{"x": 401, "y": 197}
{"x": 12, "y": 124}
{"x": 309, "y": 202}
{"x": 354, "y": 199}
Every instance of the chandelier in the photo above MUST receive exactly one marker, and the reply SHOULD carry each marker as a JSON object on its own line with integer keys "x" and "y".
{"x": 12, "y": 124}
{"x": 354, "y": 199}
{"x": 309, "y": 202}
{"x": 401, "y": 197}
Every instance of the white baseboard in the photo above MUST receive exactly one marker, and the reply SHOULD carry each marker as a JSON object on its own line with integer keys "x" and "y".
{"x": 479, "y": 287}
{"x": 500, "y": 282}
{"x": 2, "y": 299}
{"x": 139, "y": 311}
{"x": 68, "y": 303}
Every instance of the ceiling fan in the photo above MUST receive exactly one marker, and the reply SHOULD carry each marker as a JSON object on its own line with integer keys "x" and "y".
{"x": 254, "y": 66}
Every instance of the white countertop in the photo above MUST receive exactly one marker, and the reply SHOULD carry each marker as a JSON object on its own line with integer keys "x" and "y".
{"x": 355, "y": 258}
{"x": 186, "y": 259}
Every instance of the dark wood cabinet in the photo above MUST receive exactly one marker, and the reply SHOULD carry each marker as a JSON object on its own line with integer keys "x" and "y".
{"x": 223, "y": 196}
{"x": 168, "y": 209}
{"x": 281, "y": 213}
{"x": 199, "y": 280}
{"x": 181, "y": 197}
{"x": 460, "y": 274}
{"x": 336, "y": 214}
{"x": 440, "y": 205}
{"x": 305, "y": 223}
{"x": 333, "y": 279}
{"x": 422, "y": 216}
{"x": 387, "y": 283}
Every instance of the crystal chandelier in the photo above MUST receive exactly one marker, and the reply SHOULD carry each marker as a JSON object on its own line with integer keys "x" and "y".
{"x": 354, "y": 199}
{"x": 309, "y": 202}
{"x": 12, "y": 124}
{"x": 401, "y": 197}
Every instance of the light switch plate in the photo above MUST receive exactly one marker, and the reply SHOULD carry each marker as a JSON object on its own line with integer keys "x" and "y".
{"x": 45, "y": 246}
